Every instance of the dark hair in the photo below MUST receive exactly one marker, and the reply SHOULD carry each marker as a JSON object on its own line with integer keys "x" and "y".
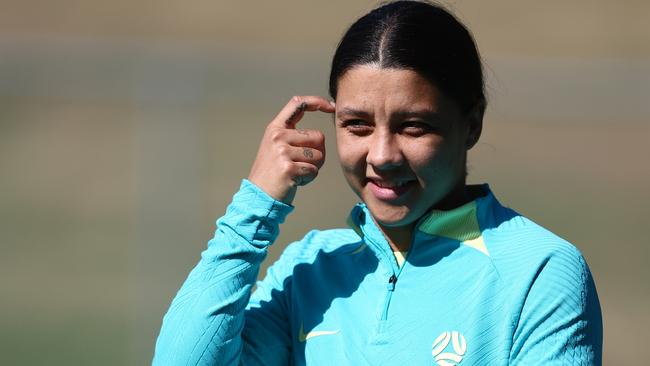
{"x": 418, "y": 36}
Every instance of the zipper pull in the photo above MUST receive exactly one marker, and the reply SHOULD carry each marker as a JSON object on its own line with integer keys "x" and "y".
{"x": 391, "y": 282}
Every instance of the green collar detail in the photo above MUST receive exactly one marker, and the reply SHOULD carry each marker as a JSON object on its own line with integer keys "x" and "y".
{"x": 460, "y": 223}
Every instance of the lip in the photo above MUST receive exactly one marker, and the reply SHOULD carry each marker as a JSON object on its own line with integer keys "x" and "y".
{"x": 388, "y": 191}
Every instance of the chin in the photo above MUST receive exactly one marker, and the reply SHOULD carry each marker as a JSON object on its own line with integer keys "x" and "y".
{"x": 391, "y": 216}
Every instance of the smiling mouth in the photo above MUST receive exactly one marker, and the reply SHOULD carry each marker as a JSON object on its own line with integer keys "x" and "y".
{"x": 387, "y": 190}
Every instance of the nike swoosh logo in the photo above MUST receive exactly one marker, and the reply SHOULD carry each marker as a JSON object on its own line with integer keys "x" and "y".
{"x": 302, "y": 337}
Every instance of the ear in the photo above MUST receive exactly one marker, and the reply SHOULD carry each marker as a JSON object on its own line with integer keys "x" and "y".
{"x": 475, "y": 124}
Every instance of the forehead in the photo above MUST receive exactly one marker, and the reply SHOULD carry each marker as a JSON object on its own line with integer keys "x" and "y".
{"x": 369, "y": 87}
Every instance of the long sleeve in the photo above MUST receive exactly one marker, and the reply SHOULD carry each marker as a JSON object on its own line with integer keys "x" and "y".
{"x": 205, "y": 321}
{"x": 560, "y": 322}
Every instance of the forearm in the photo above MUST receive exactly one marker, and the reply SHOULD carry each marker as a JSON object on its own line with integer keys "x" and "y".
{"x": 204, "y": 322}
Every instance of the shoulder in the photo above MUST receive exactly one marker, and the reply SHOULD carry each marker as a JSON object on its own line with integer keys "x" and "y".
{"x": 524, "y": 234}
{"x": 306, "y": 251}
{"x": 520, "y": 239}
{"x": 543, "y": 274}
{"x": 315, "y": 243}
{"x": 521, "y": 249}
{"x": 321, "y": 242}
{"x": 550, "y": 290}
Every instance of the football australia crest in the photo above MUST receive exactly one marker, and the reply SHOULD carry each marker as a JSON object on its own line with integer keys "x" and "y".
{"x": 449, "y": 348}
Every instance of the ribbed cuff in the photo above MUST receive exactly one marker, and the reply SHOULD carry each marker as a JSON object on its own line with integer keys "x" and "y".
{"x": 255, "y": 215}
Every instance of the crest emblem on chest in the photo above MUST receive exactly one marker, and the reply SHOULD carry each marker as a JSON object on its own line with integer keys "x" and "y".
{"x": 446, "y": 355}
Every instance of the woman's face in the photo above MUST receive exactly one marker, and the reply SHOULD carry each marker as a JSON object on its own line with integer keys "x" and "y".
{"x": 402, "y": 144}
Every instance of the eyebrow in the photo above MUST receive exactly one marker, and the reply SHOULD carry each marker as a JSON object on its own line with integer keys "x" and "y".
{"x": 347, "y": 111}
{"x": 426, "y": 114}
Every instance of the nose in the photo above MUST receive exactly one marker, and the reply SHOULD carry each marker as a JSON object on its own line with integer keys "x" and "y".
{"x": 384, "y": 151}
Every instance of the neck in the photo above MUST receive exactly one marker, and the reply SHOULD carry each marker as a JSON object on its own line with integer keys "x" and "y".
{"x": 458, "y": 196}
{"x": 399, "y": 238}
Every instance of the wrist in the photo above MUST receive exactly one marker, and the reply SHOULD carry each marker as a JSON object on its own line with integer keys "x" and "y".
{"x": 274, "y": 191}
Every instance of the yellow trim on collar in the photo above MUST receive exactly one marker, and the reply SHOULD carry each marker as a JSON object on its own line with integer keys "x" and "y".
{"x": 459, "y": 224}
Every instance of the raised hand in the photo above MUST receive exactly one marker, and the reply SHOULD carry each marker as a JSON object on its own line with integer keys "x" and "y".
{"x": 290, "y": 157}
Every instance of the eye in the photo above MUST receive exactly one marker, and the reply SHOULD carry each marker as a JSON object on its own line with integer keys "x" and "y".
{"x": 353, "y": 123}
{"x": 357, "y": 126}
{"x": 416, "y": 128}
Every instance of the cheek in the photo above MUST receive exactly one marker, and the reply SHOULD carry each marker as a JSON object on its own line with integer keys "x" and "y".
{"x": 423, "y": 157}
{"x": 432, "y": 165}
{"x": 437, "y": 165}
{"x": 351, "y": 154}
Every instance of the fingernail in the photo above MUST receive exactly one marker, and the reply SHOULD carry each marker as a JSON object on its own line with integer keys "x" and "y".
{"x": 332, "y": 103}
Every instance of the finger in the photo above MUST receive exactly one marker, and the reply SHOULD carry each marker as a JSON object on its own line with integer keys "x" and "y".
{"x": 303, "y": 137}
{"x": 307, "y": 155}
{"x": 296, "y": 137}
{"x": 297, "y": 106}
{"x": 304, "y": 173}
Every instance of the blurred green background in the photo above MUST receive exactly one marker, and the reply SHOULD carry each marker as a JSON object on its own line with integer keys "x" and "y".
{"x": 126, "y": 126}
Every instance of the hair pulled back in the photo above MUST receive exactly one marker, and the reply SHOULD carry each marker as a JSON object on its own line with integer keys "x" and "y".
{"x": 418, "y": 36}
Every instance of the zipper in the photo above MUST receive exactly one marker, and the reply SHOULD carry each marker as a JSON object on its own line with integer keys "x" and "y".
{"x": 395, "y": 270}
{"x": 392, "y": 275}
{"x": 392, "y": 281}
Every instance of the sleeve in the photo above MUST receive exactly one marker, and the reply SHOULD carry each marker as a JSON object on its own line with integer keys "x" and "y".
{"x": 267, "y": 334}
{"x": 560, "y": 321}
{"x": 204, "y": 323}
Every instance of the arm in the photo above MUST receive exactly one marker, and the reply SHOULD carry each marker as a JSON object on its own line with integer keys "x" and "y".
{"x": 560, "y": 322}
{"x": 204, "y": 323}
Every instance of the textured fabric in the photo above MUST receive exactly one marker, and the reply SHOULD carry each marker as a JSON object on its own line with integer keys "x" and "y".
{"x": 511, "y": 293}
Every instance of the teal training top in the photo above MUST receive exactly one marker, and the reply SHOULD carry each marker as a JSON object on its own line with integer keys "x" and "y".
{"x": 481, "y": 285}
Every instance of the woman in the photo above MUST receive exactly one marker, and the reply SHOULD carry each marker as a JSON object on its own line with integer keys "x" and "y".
{"x": 431, "y": 271}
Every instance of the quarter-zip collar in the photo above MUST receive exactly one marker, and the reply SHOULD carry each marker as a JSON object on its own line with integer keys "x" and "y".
{"x": 461, "y": 223}
{"x": 360, "y": 220}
